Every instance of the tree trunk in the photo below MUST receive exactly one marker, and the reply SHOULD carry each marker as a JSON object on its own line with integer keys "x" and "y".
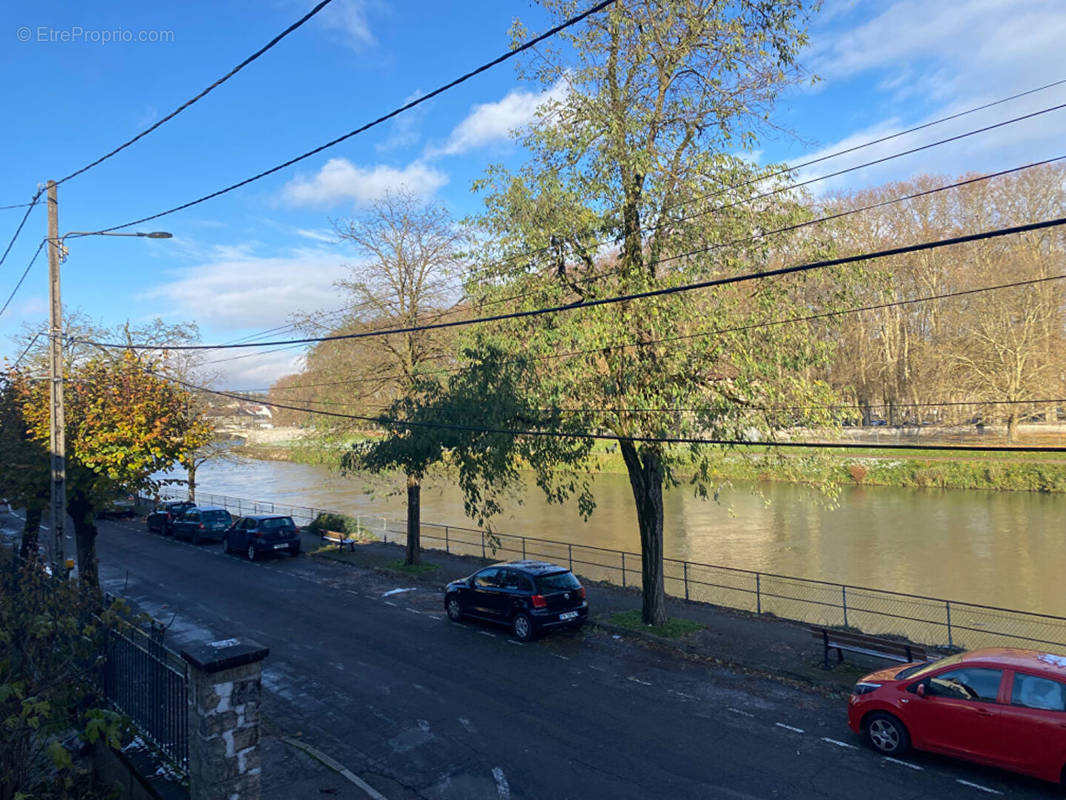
{"x": 1012, "y": 424}
{"x": 82, "y": 513}
{"x": 190, "y": 468}
{"x": 646, "y": 478}
{"x": 30, "y": 533}
{"x": 414, "y": 520}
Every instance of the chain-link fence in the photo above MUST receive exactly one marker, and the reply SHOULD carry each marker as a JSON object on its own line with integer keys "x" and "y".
{"x": 926, "y": 620}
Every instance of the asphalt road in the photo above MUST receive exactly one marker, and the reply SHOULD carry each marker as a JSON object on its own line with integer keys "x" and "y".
{"x": 418, "y": 706}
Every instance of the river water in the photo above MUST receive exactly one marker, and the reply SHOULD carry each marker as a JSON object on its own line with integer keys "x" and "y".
{"x": 996, "y": 548}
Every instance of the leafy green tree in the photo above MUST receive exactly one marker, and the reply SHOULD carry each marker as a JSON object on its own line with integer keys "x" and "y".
{"x": 24, "y": 480}
{"x": 633, "y": 184}
{"x": 124, "y": 425}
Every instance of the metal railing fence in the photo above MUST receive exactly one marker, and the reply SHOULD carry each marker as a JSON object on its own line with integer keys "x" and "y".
{"x": 929, "y": 620}
{"x": 148, "y": 682}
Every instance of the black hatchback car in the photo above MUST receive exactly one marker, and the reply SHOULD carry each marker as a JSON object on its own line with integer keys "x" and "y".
{"x": 261, "y": 534}
{"x": 527, "y": 596}
{"x": 202, "y": 524}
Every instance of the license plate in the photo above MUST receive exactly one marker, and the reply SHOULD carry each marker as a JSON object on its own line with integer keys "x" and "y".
{"x": 280, "y": 546}
{"x": 568, "y": 615}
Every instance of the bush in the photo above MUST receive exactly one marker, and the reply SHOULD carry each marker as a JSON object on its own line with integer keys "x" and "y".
{"x": 335, "y": 522}
{"x": 51, "y": 643}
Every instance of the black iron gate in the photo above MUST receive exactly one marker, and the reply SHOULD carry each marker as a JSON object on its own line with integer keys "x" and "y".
{"x": 147, "y": 681}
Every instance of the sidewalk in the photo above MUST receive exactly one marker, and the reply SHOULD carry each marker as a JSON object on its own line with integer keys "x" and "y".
{"x": 740, "y": 640}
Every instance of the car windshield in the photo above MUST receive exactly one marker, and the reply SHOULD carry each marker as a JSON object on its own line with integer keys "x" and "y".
{"x": 277, "y": 523}
{"x": 557, "y": 582}
{"x": 215, "y": 516}
{"x": 919, "y": 670}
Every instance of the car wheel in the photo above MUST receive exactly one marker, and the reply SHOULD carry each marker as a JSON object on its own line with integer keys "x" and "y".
{"x": 454, "y": 607}
{"x": 522, "y": 627}
{"x": 251, "y": 553}
{"x": 886, "y": 734}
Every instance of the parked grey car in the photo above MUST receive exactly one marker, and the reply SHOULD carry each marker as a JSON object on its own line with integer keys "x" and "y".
{"x": 260, "y": 535}
{"x": 202, "y": 523}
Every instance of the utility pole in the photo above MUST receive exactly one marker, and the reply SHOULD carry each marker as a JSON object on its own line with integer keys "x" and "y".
{"x": 58, "y": 439}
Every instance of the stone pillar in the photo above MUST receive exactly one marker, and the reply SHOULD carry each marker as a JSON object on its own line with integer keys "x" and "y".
{"x": 224, "y": 688}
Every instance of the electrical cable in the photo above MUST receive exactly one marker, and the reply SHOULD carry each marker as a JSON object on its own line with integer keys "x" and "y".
{"x": 25, "y": 272}
{"x": 688, "y": 287}
{"x": 611, "y": 437}
{"x": 22, "y": 223}
{"x": 214, "y": 85}
{"x": 374, "y": 123}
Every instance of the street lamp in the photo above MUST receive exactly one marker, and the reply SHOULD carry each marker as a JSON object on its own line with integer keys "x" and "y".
{"x": 57, "y": 252}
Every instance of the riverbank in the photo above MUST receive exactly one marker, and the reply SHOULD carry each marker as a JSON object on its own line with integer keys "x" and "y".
{"x": 870, "y": 466}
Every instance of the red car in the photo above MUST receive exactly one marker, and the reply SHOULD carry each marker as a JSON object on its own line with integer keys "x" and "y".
{"x": 1001, "y": 707}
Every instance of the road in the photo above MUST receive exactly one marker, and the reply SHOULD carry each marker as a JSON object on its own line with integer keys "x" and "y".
{"x": 420, "y": 707}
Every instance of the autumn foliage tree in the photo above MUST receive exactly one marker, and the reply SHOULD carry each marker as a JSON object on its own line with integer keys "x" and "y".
{"x": 124, "y": 426}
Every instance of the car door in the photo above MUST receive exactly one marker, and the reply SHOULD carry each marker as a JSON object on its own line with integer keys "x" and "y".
{"x": 1033, "y": 726}
{"x": 189, "y": 520}
{"x": 514, "y": 586}
{"x": 485, "y": 593}
{"x": 959, "y": 713}
{"x": 239, "y": 534}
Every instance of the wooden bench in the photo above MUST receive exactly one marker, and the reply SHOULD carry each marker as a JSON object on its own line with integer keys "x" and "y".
{"x": 339, "y": 539}
{"x": 891, "y": 649}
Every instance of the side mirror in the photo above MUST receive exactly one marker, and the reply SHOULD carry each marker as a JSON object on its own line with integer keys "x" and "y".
{"x": 920, "y": 690}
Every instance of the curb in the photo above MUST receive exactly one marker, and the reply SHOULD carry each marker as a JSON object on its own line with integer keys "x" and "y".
{"x": 334, "y": 765}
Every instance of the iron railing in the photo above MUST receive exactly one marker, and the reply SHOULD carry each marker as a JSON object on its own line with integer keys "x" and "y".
{"x": 147, "y": 682}
{"x": 930, "y": 620}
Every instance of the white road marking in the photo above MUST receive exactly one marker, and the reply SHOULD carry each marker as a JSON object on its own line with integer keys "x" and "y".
{"x": 742, "y": 713}
{"x": 486, "y": 633}
{"x": 467, "y": 724}
{"x": 789, "y": 727}
{"x": 598, "y": 669}
{"x": 564, "y": 658}
{"x": 502, "y": 789}
{"x": 638, "y": 680}
{"x": 390, "y": 603}
{"x": 681, "y": 694}
{"x": 977, "y": 786}
{"x": 414, "y": 610}
{"x": 838, "y": 743}
{"x": 906, "y": 764}
{"x": 434, "y": 616}
{"x": 398, "y": 591}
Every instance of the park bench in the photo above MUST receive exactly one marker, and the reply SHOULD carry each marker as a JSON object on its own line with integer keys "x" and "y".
{"x": 339, "y": 539}
{"x": 891, "y": 649}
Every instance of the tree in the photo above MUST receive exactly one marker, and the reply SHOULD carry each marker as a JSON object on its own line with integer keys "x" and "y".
{"x": 124, "y": 425}
{"x": 409, "y": 249}
{"x": 25, "y": 478}
{"x": 659, "y": 97}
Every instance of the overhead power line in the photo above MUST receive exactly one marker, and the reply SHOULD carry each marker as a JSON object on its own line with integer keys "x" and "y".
{"x": 627, "y": 345}
{"x": 25, "y": 272}
{"x": 588, "y": 435}
{"x": 33, "y": 202}
{"x": 202, "y": 94}
{"x": 374, "y": 123}
{"x": 835, "y": 154}
{"x": 688, "y": 287}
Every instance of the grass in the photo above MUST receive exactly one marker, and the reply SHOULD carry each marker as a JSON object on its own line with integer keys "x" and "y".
{"x": 673, "y": 628}
{"x": 411, "y": 569}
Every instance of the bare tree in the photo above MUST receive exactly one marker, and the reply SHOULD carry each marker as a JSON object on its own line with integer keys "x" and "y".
{"x": 409, "y": 250}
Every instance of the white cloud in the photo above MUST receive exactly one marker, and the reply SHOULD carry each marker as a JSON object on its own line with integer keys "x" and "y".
{"x": 254, "y": 371}
{"x": 340, "y": 181}
{"x": 493, "y": 122}
{"x": 943, "y": 58}
{"x": 350, "y": 19}
{"x": 237, "y": 289}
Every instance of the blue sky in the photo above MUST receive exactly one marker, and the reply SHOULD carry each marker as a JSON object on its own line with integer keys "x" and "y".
{"x": 242, "y": 263}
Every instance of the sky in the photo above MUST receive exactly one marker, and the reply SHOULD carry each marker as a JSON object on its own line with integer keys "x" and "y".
{"x": 82, "y": 78}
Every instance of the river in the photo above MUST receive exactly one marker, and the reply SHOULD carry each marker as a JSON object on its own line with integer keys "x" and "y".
{"x": 996, "y": 548}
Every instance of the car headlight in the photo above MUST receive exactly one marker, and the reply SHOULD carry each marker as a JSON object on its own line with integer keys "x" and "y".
{"x": 864, "y": 687}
